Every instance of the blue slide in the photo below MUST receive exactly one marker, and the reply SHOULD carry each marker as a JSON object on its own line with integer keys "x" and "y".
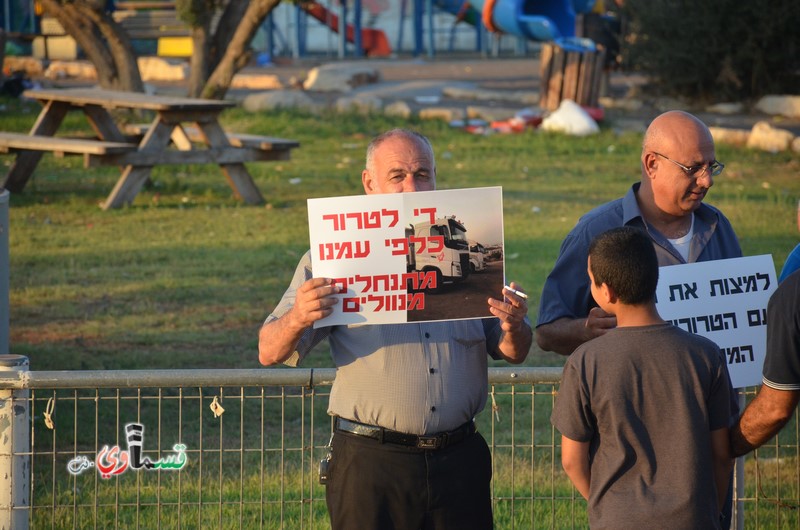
{"x": 539, "y": 20}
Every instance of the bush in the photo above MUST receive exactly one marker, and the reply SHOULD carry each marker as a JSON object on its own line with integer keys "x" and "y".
{"x": 715, "y": 50}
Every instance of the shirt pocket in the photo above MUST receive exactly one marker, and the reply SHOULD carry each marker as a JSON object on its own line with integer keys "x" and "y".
{"x": 468, "y": 334}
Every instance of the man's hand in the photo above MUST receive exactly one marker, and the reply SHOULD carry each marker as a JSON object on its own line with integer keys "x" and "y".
{"x": 763, "y": 418}
{"x": 314, "y": 301}
{"x": 598, "y": 323}
{"x": 565, "y": 334}
{"x": 278, "y": 339}
{"x": 512, "y": 310}
{"x": 517, "y": 336}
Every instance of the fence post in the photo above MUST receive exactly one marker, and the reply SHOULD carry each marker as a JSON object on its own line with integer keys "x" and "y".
{"x": 737, "y": 514}
{"x": 4, "y": 271}
{"x": 15, "y": 450}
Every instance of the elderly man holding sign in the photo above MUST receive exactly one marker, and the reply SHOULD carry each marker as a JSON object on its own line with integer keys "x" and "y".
{"x": 405, "y": 453}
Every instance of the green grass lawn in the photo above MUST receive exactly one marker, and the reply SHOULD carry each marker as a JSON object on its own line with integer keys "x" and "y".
{"x": 184, "y": 277}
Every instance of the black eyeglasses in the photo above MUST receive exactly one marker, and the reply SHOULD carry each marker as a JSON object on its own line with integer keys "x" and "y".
{"x": 714, "y": 167}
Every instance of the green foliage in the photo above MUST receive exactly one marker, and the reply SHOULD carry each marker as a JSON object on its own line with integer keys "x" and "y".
{"x": 716, "y": 49}
{"x": 196, "y": 13}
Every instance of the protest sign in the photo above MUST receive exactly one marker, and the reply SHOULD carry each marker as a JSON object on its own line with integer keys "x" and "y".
{"x": 406, "y": 257}
{"x": 726, "y": 301}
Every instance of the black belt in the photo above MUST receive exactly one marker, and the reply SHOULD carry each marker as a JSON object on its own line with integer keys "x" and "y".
{"x": 433, "y": 441}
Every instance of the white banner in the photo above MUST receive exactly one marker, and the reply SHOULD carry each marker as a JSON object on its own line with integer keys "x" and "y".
{"x": 405, "y": 257}
{"x": 726, "y": 301}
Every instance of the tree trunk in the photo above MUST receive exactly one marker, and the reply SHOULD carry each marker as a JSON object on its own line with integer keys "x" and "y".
{"x": 119, "y": 46}
{"x": 223, "y": 34}
{"x": 199, "y": 62}
{"x": 103, "y": 41}
{"x": 81, "y": 31}
{"x": 236, "y": 53}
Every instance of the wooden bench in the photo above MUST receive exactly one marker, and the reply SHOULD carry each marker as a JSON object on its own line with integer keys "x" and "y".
{"x": 14, "y": 142}
{"x": 157, "y": 20}
{"x": 152, "y": 24}
{"x": 144, "y": 4}
{"x": 25, "y": 144}
{"x": 192, "y": 134}
{"x": 142, "y": 21}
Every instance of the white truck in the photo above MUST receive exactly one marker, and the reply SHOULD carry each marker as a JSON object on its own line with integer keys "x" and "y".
{"x": 450, "y": 261}
{"x": 476, "y": 252}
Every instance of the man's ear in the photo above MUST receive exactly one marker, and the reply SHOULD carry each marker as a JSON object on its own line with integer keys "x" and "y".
{"x": 366, "y": 180}
{"x": 650, "y": 164}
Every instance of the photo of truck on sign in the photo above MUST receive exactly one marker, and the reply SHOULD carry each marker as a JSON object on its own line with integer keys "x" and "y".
{"x": 451, "y": 262}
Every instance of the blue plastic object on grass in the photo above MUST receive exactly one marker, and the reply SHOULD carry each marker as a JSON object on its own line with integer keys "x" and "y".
{"x": 263, "y": 59}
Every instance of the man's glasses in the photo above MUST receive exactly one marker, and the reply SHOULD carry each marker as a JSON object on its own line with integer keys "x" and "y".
{"x": 714, "y": 167}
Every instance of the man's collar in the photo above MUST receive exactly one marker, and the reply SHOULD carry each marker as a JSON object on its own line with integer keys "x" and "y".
{"x": 630, "y": 208}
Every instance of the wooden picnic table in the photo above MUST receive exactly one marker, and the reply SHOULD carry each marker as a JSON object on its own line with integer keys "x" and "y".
{"x": 179, "y": 121}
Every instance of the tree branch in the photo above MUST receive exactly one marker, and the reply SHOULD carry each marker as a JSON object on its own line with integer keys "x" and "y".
{"x": 220, "y": 79}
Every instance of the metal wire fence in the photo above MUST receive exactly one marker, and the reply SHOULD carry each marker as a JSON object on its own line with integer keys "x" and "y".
{"x": 240, "y": 449}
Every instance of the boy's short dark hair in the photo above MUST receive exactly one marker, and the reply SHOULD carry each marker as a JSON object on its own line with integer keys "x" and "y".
{"x": 625, "y": 260}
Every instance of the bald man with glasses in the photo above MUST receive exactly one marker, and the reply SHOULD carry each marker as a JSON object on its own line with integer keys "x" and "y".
{"x": 678, "y": 168}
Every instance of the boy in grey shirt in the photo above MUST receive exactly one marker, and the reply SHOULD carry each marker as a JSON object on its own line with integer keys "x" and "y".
{"x": 643, "y": 409}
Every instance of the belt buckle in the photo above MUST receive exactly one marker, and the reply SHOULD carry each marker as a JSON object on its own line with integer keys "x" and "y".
{"x": 428, "y": 442}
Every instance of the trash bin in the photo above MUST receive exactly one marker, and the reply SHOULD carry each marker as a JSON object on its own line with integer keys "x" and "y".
{"x": 571, "y": 69}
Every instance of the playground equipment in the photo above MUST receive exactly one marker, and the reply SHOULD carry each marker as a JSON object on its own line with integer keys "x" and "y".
{"x": 528, "y": 20}
{"x": 373, "y": 42}
{"x": 386, "y": 20}
{"x": 17, "y": 16}
{"x": 538, "y": 20}
{"x": 534, "y": 20}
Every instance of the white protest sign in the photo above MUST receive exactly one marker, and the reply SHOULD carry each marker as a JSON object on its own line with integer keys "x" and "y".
{"x": 725, "y": 301}
{"x": 405, "y": 257}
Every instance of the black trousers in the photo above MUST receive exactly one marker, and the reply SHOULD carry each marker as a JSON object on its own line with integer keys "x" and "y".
{"x": 374, "y": 486}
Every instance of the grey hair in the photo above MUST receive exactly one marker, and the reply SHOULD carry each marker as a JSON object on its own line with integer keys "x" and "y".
{"x": 406, "y": 133}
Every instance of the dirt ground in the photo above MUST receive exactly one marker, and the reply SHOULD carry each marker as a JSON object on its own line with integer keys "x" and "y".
{"x": 632, "y": 104}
